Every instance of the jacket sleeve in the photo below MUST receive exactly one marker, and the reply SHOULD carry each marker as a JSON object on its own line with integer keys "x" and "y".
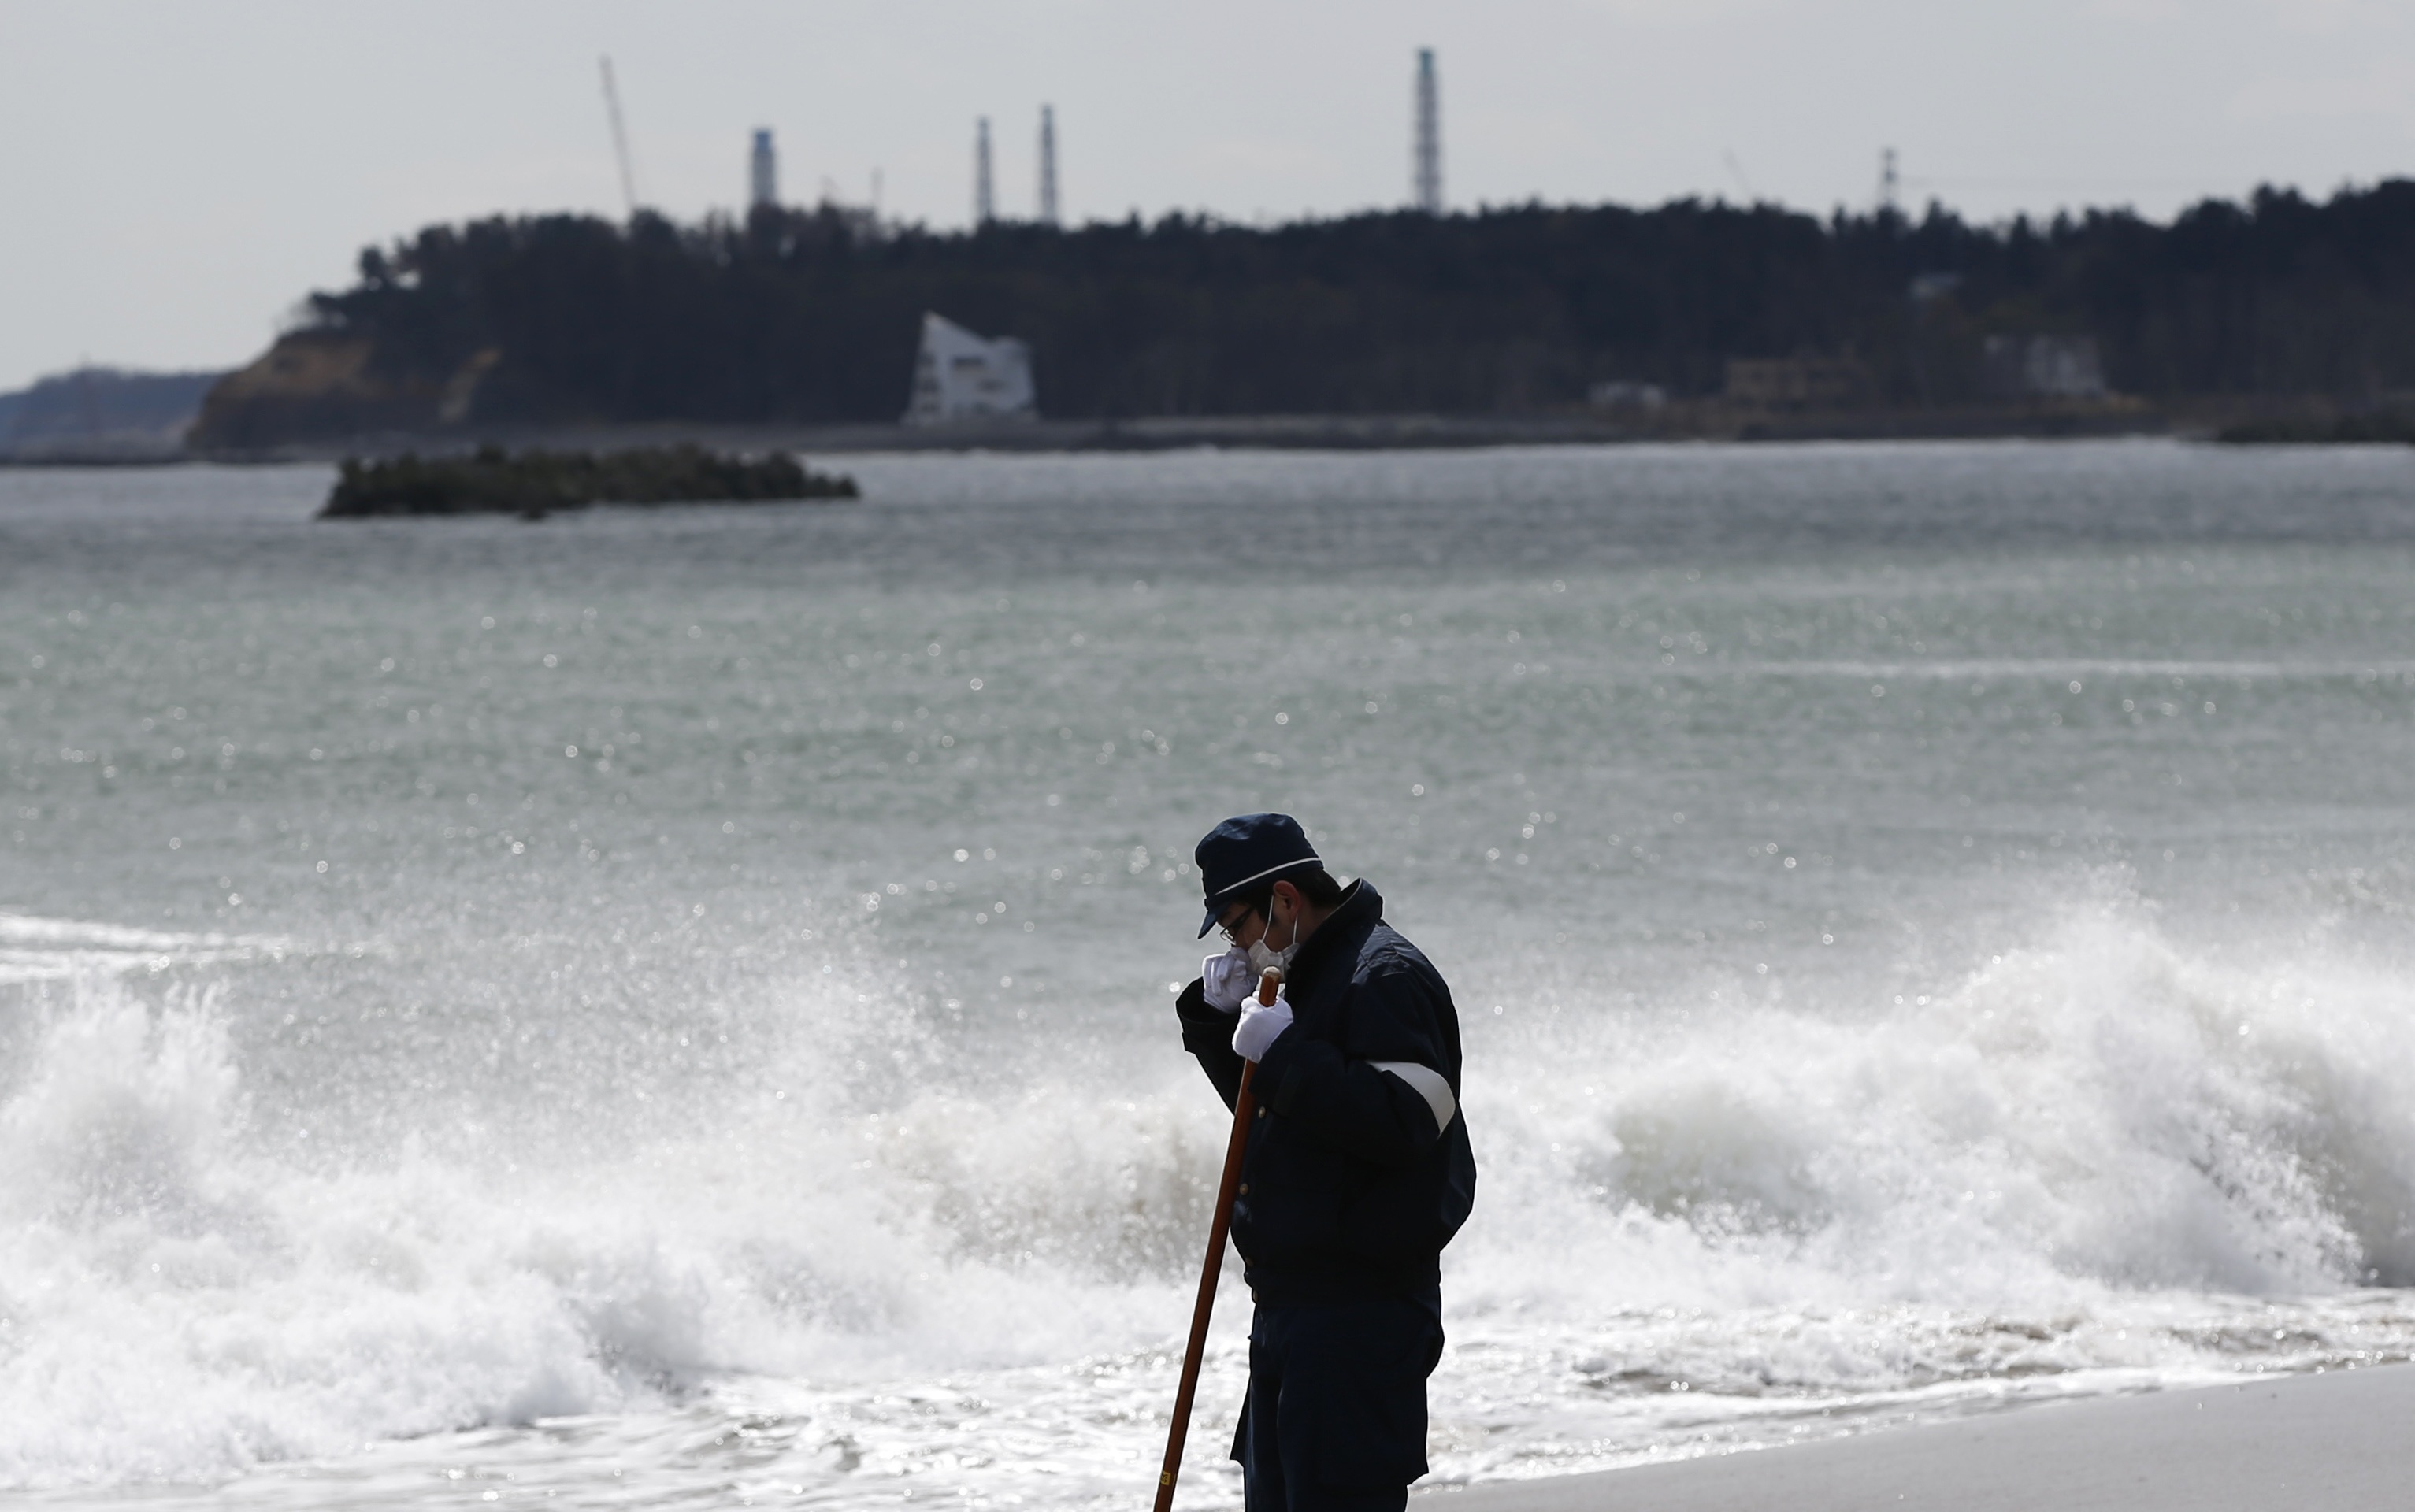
{"x": 1209, "y": 1035}
{"x": 1388, "y": 1091}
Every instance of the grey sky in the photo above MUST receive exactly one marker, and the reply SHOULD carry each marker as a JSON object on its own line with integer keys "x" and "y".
{"x": 174, "y": 176}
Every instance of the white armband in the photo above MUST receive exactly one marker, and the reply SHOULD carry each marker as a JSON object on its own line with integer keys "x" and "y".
{"x": 1427, "y": 1082}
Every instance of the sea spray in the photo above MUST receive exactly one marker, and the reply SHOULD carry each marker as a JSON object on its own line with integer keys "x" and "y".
{"x": 2056, "y": 1170}
{"x": 2095, "y": 1107}
{"x": 185, "y": 1305}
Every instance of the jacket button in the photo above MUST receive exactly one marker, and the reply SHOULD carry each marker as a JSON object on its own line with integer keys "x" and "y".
{"x": 1245, "y": 1189}
{"x": 1262, "y": 1113}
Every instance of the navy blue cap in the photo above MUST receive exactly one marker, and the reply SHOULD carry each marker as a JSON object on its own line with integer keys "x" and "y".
{"x": 1249, "y": 851}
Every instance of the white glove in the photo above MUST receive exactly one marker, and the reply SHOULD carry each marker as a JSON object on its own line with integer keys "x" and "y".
{"x": 1261, "y": 1025}
{"x": 1225, "y": 979}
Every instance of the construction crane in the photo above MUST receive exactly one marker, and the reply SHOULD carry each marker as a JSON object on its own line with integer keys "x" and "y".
{"x": 620, "y": 137}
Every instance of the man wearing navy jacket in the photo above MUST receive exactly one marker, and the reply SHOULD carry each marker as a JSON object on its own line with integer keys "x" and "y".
{"x": 1358, "y": 1169}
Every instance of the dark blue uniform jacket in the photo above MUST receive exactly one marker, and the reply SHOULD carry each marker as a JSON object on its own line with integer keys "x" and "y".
{"x": 1349, "y": 1187}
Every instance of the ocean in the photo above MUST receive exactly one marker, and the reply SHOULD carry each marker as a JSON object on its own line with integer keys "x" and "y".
{"x": 673, "y": 1008}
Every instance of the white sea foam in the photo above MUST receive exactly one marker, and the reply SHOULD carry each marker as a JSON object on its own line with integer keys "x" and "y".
{"x": 2096, "y": 1106}
{"x": 34, "y": 948}
{"x": 176, "y": 1305}
{"x": 2072, "y": 1170}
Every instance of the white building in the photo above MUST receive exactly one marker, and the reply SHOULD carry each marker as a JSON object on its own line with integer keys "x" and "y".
{"x": 960, "y": 376}
{"x": 2044, "y": 366}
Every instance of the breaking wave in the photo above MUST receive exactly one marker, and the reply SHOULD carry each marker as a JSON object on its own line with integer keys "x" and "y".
{"x": 34, "y": 948}
{"x": 2096, "y": 1153}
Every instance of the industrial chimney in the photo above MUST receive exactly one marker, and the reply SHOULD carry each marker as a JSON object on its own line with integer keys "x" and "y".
{"x": 984, "y": 193}
{"x": 1425, "y": 179}
{"x": 762, "y": 173}
{"x": 1048, "y": 166}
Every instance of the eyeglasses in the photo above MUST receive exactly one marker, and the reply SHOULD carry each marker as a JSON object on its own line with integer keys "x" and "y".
{"x": 1231, "y": 928}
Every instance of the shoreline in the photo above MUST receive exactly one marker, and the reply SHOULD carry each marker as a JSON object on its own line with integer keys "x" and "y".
{"x": 1686, "y": 422}
{"x": 1702, "y": 421}
{"x": 2338, "y": 1440}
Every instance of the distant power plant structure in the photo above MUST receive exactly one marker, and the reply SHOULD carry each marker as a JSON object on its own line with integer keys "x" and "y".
{"x": 863, "y": 221}
{"x": 1426, "y": 177}
{"x": 1051, "y": 207}
{"x": 984, "y": 187}
{"x": 1048, "y": 166}
{"x": 620, "y": 137}
{"x": 762, "y": 173}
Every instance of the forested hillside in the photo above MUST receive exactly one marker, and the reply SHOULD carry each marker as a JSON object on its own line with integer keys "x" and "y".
{"x": 797, "y": 317}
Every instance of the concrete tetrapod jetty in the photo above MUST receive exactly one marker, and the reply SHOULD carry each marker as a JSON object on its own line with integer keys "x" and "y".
{"x": 2342, "y": 1442}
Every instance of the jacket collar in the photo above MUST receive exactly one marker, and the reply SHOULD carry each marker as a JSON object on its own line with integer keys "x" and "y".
{"x": 1361, "y": 908}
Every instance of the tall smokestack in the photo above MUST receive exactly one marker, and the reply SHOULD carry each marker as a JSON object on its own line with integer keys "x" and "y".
{"x": 1048, "y": 166}
{"x": 1428, "y": 176}
{"x": 762, "y": 173}
{"x": 984, "y": 193}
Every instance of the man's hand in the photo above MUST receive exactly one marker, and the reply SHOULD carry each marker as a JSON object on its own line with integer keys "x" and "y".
{"x": 1225, "y": 979}
{"x": 1261, "y": 1025}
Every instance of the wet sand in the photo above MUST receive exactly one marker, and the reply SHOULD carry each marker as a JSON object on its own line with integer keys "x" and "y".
{"x": 2343, "y": 1440}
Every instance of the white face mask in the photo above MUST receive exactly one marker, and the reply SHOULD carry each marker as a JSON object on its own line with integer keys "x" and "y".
{"x": 1262, "y": 960}
{"x": 1264, "y": 957}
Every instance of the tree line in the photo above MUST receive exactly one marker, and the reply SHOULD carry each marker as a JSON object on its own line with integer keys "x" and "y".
{"x": 811, "y": 315}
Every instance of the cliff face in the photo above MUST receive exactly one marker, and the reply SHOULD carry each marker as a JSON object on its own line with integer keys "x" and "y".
{"x": 325, "y": 385}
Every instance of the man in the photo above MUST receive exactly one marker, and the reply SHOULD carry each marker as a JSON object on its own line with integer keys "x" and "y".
{"x": 1358, "y": 1169}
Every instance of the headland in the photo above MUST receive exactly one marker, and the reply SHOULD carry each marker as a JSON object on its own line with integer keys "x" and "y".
{"x": 1510, "y": 325}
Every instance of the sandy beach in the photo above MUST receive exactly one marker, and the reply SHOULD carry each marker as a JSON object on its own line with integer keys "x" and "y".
{"x": 2338, "y": 1441}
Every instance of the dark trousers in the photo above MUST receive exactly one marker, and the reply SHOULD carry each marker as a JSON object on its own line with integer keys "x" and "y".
{"x": 1335, "y": 1421}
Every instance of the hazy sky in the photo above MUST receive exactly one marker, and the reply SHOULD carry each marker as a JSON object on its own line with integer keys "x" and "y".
{"x": 175, "y": 176}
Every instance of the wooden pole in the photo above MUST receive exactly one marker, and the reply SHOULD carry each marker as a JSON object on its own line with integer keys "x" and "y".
{"x": 1244, "y": 1109}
